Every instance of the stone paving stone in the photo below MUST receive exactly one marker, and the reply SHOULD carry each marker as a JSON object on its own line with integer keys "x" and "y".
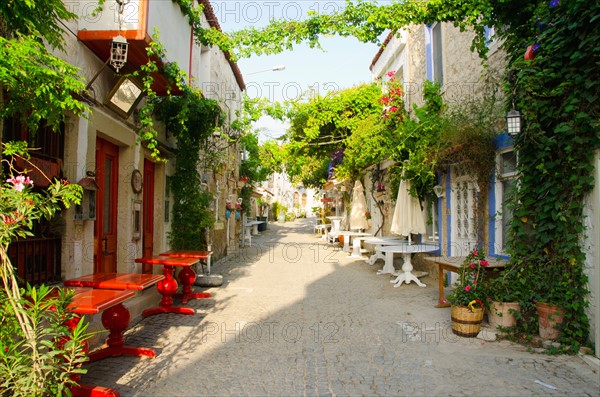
{"x": 298, "y": 318}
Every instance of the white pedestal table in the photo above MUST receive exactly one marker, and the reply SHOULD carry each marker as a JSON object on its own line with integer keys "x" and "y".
{"x": 406, "y": 250}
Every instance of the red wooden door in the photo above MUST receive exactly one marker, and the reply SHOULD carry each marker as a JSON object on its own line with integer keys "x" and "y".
{"x": 105, "y": 227}
{"x": 148, "y": 214}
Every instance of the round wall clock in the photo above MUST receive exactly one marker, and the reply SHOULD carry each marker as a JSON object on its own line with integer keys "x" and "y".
{"x": 136, "y": 181}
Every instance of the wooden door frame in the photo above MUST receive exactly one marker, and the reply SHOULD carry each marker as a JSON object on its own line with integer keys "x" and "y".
{"x": 105, "y": 147}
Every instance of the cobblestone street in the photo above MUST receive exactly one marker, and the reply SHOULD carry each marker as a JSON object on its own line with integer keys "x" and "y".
{"x": 297, "y": 317}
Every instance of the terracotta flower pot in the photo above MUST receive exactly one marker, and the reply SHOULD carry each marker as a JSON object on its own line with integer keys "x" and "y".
{"x": 501, "y": 314}
{"x": 550, "y": 318}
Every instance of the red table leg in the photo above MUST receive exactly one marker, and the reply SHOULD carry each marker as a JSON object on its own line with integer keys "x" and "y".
{"x": 116, "y": 320}
{"x": 187, "y": 276}
{"x": 167, "y": 287}
{"x": 80, "y": 390}
{"x": 93, "y": 391}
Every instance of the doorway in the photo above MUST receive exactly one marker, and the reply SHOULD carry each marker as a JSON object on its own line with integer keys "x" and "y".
{"x": 148, "y": 214}
{"x": 105, "y": 226}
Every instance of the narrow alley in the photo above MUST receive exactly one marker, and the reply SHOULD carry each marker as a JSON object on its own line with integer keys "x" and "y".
{"x": 298, "y": 317}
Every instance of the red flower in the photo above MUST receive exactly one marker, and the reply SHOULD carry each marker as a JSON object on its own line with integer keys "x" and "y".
{"x": 468, "y": 288}
{"x": 472, "y": 266}
{"x": 393, "y": 109}
{"x": 385, "y": 99}
{"x": 391, "y": 73}
{"x": 475, "y": 253}
{"x": 484, "y": 263}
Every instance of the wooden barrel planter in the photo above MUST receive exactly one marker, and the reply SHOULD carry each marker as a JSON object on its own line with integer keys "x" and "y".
{"x": 466, "y": 321}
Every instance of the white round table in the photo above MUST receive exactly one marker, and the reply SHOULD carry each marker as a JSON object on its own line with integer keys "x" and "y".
{"x": 406, "y": 250}
{"x": 351, "y": 235}
{"x": 380, "y": 241}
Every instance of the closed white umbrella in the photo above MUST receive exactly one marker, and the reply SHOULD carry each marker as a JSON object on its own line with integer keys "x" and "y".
{"x": 358, "y": 218}
{"x": 408, "y": 217}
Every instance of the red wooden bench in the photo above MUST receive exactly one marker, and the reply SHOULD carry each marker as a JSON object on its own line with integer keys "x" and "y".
{"x": 187, "y": 275}
{"x": 93, "y": 301}
{"x": 168, "y": 286}
{"x": 115, "y": 318}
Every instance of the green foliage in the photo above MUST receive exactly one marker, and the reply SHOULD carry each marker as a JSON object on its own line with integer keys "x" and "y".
{"x": 191, "y": 119}
{"x": 42, "y": 361}
{"x": 323, "y": 125}
{"x": 365, "y": 20}
{"x": 255, "y": 168}
{"x": 40, "y": 19}
{"x": 36, "y": 354}
{"x": 38, "y": 81}
{"x": 371, "y": 143}
{"x": 418, "y": 142}
{"x": 557, "y": 94}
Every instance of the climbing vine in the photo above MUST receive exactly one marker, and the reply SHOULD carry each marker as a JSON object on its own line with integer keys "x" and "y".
{"x": 191, "y": 119}
{"x": 557, "y": 93}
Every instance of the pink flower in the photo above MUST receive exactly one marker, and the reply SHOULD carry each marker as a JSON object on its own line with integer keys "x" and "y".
{"x": 484, "y": 263}
{"x": 468, "y": 288}
{"x": 7, "y": 220}
{"x": 475, "y": 253}
{"x": 19, "y": 182}
{"x": 391, "y": 73}
{"x": 472, "y": 266}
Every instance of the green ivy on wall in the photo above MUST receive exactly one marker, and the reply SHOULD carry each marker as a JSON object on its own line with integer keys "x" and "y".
{"x": 558, "y": 95}
{"x": 191, "y": 119}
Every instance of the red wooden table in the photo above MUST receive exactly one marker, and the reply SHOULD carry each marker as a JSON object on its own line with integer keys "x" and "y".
{"x": 187, "y": 275}
{"x": 116, "y": 318}
{"x": 93, "y": 301}
{"x": 168, "y": 286}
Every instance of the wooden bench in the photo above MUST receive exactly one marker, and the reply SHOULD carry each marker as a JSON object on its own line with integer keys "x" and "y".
{"x": 452, "y": 264}
{"x": 94, "y": 301}
{"x": 116, "y": 317}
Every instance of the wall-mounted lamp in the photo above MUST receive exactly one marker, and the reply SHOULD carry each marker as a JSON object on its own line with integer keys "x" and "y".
{"x": 439, "y": 191}
{"x": 86, "y": 211}
{"x": 513, "y": 122}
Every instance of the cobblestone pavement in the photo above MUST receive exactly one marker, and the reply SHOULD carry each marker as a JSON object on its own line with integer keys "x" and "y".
{"x": 297, "y": 317}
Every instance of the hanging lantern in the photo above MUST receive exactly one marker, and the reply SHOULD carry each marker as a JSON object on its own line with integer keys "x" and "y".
{"x": 118, "y": 52}
{"x": 513, "y": 122}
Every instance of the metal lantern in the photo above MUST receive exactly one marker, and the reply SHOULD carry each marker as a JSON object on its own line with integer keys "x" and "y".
{"x": 118, "y": 52}
{"x": 513, "y": 122}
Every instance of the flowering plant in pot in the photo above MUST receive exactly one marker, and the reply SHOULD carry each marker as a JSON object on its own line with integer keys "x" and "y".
{"x": 469, "y": 295}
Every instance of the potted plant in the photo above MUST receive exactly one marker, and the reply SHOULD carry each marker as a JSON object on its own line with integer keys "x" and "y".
{"x": 554, "y": 288}
{"x": 503, "y": 299}
{"x": 238, "y": 210}
{"x": 467, "y": 300}
{"x": 228, "y": 209}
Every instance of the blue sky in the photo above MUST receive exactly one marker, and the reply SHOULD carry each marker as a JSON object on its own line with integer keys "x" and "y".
{"x": 343, "y": 62}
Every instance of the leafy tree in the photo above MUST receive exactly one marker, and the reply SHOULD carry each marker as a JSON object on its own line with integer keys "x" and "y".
{"x": 323, "y": 125}
{"x": 39, "y": 354}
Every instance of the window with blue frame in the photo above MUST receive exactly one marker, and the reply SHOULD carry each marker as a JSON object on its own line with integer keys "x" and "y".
{"x": 506, "y": 182}
{"x": 433, "y": 53}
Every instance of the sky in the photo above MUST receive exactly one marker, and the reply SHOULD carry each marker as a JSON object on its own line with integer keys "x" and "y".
{"x": 343, "y": 62}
